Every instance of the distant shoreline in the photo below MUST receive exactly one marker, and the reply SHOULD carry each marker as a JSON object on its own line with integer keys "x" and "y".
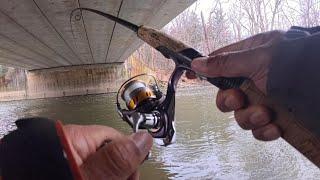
{"x": 21, "y": 95}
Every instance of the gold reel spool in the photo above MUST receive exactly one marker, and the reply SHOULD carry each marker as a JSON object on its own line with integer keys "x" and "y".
{"x": 135, "y": 92}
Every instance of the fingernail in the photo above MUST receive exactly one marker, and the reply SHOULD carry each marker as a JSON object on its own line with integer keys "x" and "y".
{"x": 143, "y": 140}
{"x": 198, "y": 64}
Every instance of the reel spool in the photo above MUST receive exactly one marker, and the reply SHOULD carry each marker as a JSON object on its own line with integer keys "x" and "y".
{"x": 140, "y": 92}
{"x": 135, "y": 93}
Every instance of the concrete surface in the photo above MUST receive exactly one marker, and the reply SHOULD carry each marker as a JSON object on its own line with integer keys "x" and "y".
{"x": 70, "y": 81}
{"x": 75, "y": 80}
{"x": 36, "y": 34}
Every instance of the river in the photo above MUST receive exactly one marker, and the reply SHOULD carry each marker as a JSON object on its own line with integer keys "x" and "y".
{"x": 209, "y": 144}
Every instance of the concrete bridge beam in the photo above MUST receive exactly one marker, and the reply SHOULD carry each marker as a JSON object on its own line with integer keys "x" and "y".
{"x": 41, "y": 30}
{"x": 75, "y": 80}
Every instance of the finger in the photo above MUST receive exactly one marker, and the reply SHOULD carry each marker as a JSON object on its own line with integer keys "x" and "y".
{"x": 101, "y": 134}
{"x": 118, "y": 159}
{"x": 253, "y": 117}
{"x": 267, "y": 133}
{"x": 234, "y": 64}
{"x": 88, "y": 139}
{"x": 191, "y": 75}
{"x": 230, "y": 100}
{"x": 253, "y": 41}
{"x": 135, "y": 176}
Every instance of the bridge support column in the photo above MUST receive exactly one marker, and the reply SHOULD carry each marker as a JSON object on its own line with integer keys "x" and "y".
{"x": 75, "y": 80}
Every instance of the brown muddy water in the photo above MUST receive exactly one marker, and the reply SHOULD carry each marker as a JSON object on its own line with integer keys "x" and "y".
{"x": 209, "y": 144}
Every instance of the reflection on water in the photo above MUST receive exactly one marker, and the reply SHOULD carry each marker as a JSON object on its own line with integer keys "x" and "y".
{"x": 209, "y": 145}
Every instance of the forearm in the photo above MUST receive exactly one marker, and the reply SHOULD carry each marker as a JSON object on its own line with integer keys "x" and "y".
{"x": 294, "y": 78}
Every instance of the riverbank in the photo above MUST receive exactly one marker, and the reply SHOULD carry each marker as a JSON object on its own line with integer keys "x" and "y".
{"x": 12, "y": 96}
{"x": 183, "y": 87}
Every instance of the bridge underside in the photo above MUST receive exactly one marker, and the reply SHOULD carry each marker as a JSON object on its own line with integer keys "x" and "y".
{"x": 37, "y": 34}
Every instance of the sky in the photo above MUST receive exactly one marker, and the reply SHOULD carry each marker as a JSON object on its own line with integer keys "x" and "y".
{"x": 291, "y": 7}
{"x": 203, "y": 6}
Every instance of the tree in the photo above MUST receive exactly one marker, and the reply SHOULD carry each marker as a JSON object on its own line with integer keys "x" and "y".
{"x": 309, "y": 12}
{"x": 229, "y": 21}
{"x": 3, "y": 70}
{"x": 218, "y": 31}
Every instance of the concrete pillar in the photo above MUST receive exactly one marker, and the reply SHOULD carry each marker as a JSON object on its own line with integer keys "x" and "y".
{"x": 75, "y": 80}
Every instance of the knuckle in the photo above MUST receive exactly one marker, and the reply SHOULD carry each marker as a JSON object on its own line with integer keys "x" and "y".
{"x": 242, "y": 120}
{"x": 223, "y": 108}
{"x": 237, "y": 98}
{"x": 263, "y": 114}
{"x": 258, "y": 134}
{"x": 260, "y": 109}
{"x": 220, "y": 101}
{"x": 267, "y": 133}
{"x": 123, "y": 155}
{"x": 232, "y": 92}
{"x": 229, "y": 100}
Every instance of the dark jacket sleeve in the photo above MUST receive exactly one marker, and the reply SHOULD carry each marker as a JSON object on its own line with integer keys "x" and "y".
{"x": 37, "y": 150}
{"x": 294, "y": 77}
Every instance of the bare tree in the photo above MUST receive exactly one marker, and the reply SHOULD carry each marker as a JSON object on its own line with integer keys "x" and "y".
{"x": 229, "y": 21}
{"x": 218, "y": 31}
{"x": 255, "y": 16}
{"x": 206, "y": 39}
{"x": 309, "y": 12}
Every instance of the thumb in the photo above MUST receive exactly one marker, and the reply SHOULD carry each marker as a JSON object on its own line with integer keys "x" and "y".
{"x": 233, "y": 64}
{"x": 118, "y": 159}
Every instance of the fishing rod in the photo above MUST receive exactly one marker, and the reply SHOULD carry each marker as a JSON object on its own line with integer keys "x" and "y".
{"x": 148, "y": 108}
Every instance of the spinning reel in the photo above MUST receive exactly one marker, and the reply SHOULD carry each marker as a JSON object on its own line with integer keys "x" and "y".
{"x": 147, "y": 107}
